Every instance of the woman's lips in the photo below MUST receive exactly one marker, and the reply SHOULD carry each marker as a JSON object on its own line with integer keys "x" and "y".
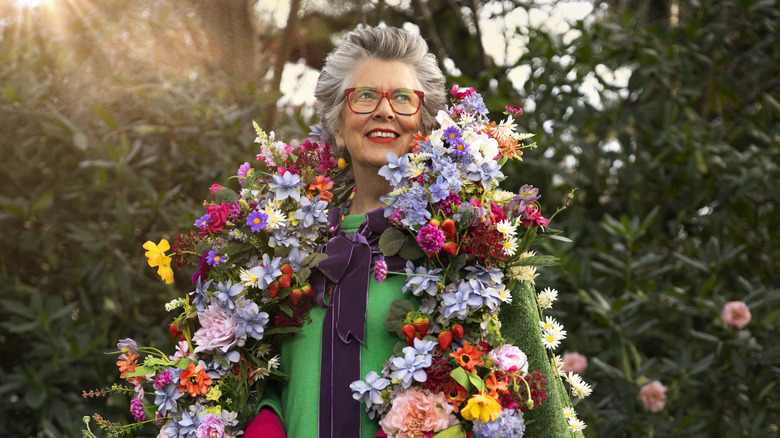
{"x": 382, "y": 136}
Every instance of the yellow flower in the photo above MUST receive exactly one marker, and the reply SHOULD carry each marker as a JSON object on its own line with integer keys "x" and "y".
{"x": 481, "y": 406}
{"x": 214, "y": 393}
{"x": 155, "y": 253}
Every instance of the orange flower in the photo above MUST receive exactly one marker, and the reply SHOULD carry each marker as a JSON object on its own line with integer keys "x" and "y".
{"x": 127, "y": 364}
{"x": 495, "y": 386}
{"x": 456, "y": 395}
{"x": 468, "y": 357}
{"x": 322, "y": 185}
{"x": 195, "y": 380}
{"x": 418, "y": 137}
{"x": 507, "y": 146}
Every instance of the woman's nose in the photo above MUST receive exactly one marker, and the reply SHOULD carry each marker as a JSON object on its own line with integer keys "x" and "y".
{"x": 384, "y": 110}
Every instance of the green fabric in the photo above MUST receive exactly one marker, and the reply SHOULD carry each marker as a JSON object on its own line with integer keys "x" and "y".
{"x": 301, "y": 354}
{"x": 520, "y": 324}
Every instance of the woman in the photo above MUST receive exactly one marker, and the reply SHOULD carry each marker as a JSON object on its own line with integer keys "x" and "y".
{"x": 376, "y": 90}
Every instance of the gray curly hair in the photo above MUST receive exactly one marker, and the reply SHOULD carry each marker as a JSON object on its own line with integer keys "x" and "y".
{"x": 382, "y": 43}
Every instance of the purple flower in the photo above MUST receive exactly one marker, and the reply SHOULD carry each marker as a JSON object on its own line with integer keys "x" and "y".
{"x": 315, "y": 134}
{"x": 380, "y": 271}
{"x": 516, "y": 110}
{"x": 137, "y": 409}
{"x": 211, "y": 427}
{"x": 163, "y": 379}
{"x": 257, "y": 220}
{"x": 214, "y": 258}
{"x": 421, "y": 280}
{"x": 396, "y": 216}
{"x": 203, "y": 222}
{"x": 203, "y": 269}
{"x": 451, "y": 135}
{"x": 128, "y": 344}
{"x": 446, "y": 204}
{"x": 251, "y": 321}
{"x": 311, "y": 212}
{"x": 529, "y": 194}
{"x": 165, "y": 397}
{"x": 431, "y": 238}
{"x": 242, "y": 172}
{"x": 509, "y": 424}
{"x": 200, "y": 299}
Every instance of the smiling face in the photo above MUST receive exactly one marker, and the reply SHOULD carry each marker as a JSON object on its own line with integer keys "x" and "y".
{"x": 368, "y": 137}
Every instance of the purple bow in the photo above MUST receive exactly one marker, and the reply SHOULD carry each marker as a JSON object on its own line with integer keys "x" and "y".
{"x": 348, "y": 267}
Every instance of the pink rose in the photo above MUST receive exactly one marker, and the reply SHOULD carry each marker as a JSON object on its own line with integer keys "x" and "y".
{"x": 509, "y": 358}
{"x": 415, "y": 412}
{"x": 217, "y": 331}
{"x": 653, "y": 396}
{"x": 736, "y": 314}
{"x": 574, "y": 362}
{"x": 211, "y": 427}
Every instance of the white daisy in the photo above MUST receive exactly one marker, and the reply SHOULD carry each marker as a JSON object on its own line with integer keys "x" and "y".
{"x": 547, "y": 297}
{"x": 557, "y": 363}
{"x": 276, "y": 218}
{"x": 510, "y": 246}
{"x": 523, "y": 273}
{"x": 569, "y": 413}
{"x": 250, "y": 277}
{"x": 578, "y": 387}
{"x": 576, "y": 425}
{"x": 273, "y": 363}
{"x": 505, "y": 294}
{"x": 550, "y": 323}
{"x": 552, "y": 339}
{"x": 506, "y": 228}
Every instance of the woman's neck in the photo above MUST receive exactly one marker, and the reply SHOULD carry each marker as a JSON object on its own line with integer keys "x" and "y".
{"x": 369, "y": 188}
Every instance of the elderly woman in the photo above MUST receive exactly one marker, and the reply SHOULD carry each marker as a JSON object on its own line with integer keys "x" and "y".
{"x": 377, "y": 89}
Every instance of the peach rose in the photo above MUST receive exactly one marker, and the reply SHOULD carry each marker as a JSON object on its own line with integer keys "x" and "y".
{"x": 653, "y": 396}
{"x": 575, "y": 362}
{"x": 415, "y": 412}
{"x": 736, "y": 314}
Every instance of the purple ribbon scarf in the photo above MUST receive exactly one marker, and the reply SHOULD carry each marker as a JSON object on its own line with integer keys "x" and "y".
{"x": 348, "y": 267}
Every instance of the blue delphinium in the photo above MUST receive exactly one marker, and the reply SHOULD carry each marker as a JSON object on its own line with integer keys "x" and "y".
{"x": 312, "y": 212}
{"x": 369, "y": 391}
{"x": 251, "y": 321}
{"x": 396, "y": 170}
{"x": 413, "y": 203}
{"x": 509, "y": 425}
{"x": 286, "y": 186}
{"x": 485, "y": 275}
{"x": 410, "y": 366}
{"x": 421, "y": 280}
{"x": 227, "y": 293}
{"x": 461, "y": 301}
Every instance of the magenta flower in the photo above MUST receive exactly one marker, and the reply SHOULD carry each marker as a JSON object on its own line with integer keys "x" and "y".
{"x": 380, "y": 271}
{"x": 431, "y": 238}
{"x": 736, "y": 314}
{"x": 516, "y": 110}
{"x": 137, "y": 409}
{"x": 242, "y": 171}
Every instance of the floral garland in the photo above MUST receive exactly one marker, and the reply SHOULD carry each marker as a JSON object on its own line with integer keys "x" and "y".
{"x": 255, "y": 250}
{"x": 466, "y": 242}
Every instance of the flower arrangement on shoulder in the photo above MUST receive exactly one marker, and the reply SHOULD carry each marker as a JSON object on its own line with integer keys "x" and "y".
{"x": 254, "y": 251}
{"x": 466, "y": 244}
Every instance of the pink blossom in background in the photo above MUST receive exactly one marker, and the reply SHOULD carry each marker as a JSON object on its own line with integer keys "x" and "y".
{"x": 574, "y": 362}
{"x": 736, "y": 314}
{"x": 415, "y": 412}
{"x": 653, "y": 396}
{"x": 510, "y": 358}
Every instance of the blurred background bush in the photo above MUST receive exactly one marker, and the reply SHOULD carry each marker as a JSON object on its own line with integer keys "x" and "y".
{"x": 116, "y": 117}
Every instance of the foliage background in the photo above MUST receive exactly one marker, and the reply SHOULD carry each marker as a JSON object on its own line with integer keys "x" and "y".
{"x": 115, "y": 120}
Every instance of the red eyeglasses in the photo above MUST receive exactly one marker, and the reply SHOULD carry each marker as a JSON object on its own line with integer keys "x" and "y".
{"x": 403, "y": 101}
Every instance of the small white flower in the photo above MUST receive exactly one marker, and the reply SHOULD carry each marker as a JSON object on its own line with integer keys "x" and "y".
{"x": 250, "y": 277}
{"x": 547, "y": 297}
{"x": 510, "y": 246}
{"x": 576, "y": 425}
{"x": 569, "y": 413}
{"x": 557, "y": 363}
{"x": 506, "y": 228}
{"x": 505, "y": 294}
{"x": 550, "y": 323}
{"x": 273, "y": 363}
{"x": 174, "y": 304}
{"x": 523, "y": 273}
{"x": 503, "y": 195}
{"x": 578, "y": 387}
{"x": 276, "y": 218}
{"x": 552, "y": 339}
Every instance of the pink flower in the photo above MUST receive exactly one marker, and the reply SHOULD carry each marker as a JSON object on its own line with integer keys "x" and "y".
{"x": 653, "y": 396}
{"x": 415, "y": 412}
{"x": 736, "y": 314}
{"x": 211, "y": 427}
{"x": 510, "y": 358}
{"x": 214, "y": 188}
{"x": 217, "y": 331}
{"x": 380, "y": 271}
{"x": 461, "y": 94}
{"x": 431, "y": 238}
{"x": 574, "y": 362}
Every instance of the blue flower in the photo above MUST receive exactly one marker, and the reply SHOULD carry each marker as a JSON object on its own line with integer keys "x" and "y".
{"x": 421, "y": 280}
{"x": 295, "y": 258}
{"x": 312, "y": 211}
{"x": 286, "y": 186}
{"x": 281, "y": 237}
{"x": 422, "y": 349}
{"x": 200, "y": 299}
{"x": 409, "y": 367}
{"x": 509, "y": 424}
{"x": 251, "y": 321}
{"x": 190, "y": 420}
{"x": 165, "y": 398}
{"x": 485, "y": 275}
{"x": 460, "y": 302}
{"x": 440, "y": 190}
{"x": 413, "y": 203}
{"x": 257, "y": 220}
{"x": 268, "y": 271}
{"x": 484, "y": 173}
{"x": 396, "y": 169}
{"x": 227, "y": 293}
{"x": 369, "y": 391}
{"x": 315, "y": 134}
{"x": 214, "y": 258}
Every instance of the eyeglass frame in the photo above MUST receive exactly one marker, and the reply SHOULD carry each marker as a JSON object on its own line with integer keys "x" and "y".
{"x": 384, "y": 94}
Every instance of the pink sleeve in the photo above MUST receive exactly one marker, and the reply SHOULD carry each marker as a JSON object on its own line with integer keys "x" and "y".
{"x": 265, "y": 425}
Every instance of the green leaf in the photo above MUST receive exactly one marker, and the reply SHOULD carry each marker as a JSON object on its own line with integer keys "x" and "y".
{"x": 544, "y": 260}
{"x": 141, "y": 371}
{"x": 476, "y": 381}
{"x": 314, "y": 259}
{"x": 35, "y": 397}
{"x": 457, "y": 262}
{"x": 452, "y": 432}
{"x": 394, "y": 319}
{"x": 225, "y": 195}
{"x": 461, "y": 376}
{"x": 392, "y": 241}
{"x": 411, "y": 250}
